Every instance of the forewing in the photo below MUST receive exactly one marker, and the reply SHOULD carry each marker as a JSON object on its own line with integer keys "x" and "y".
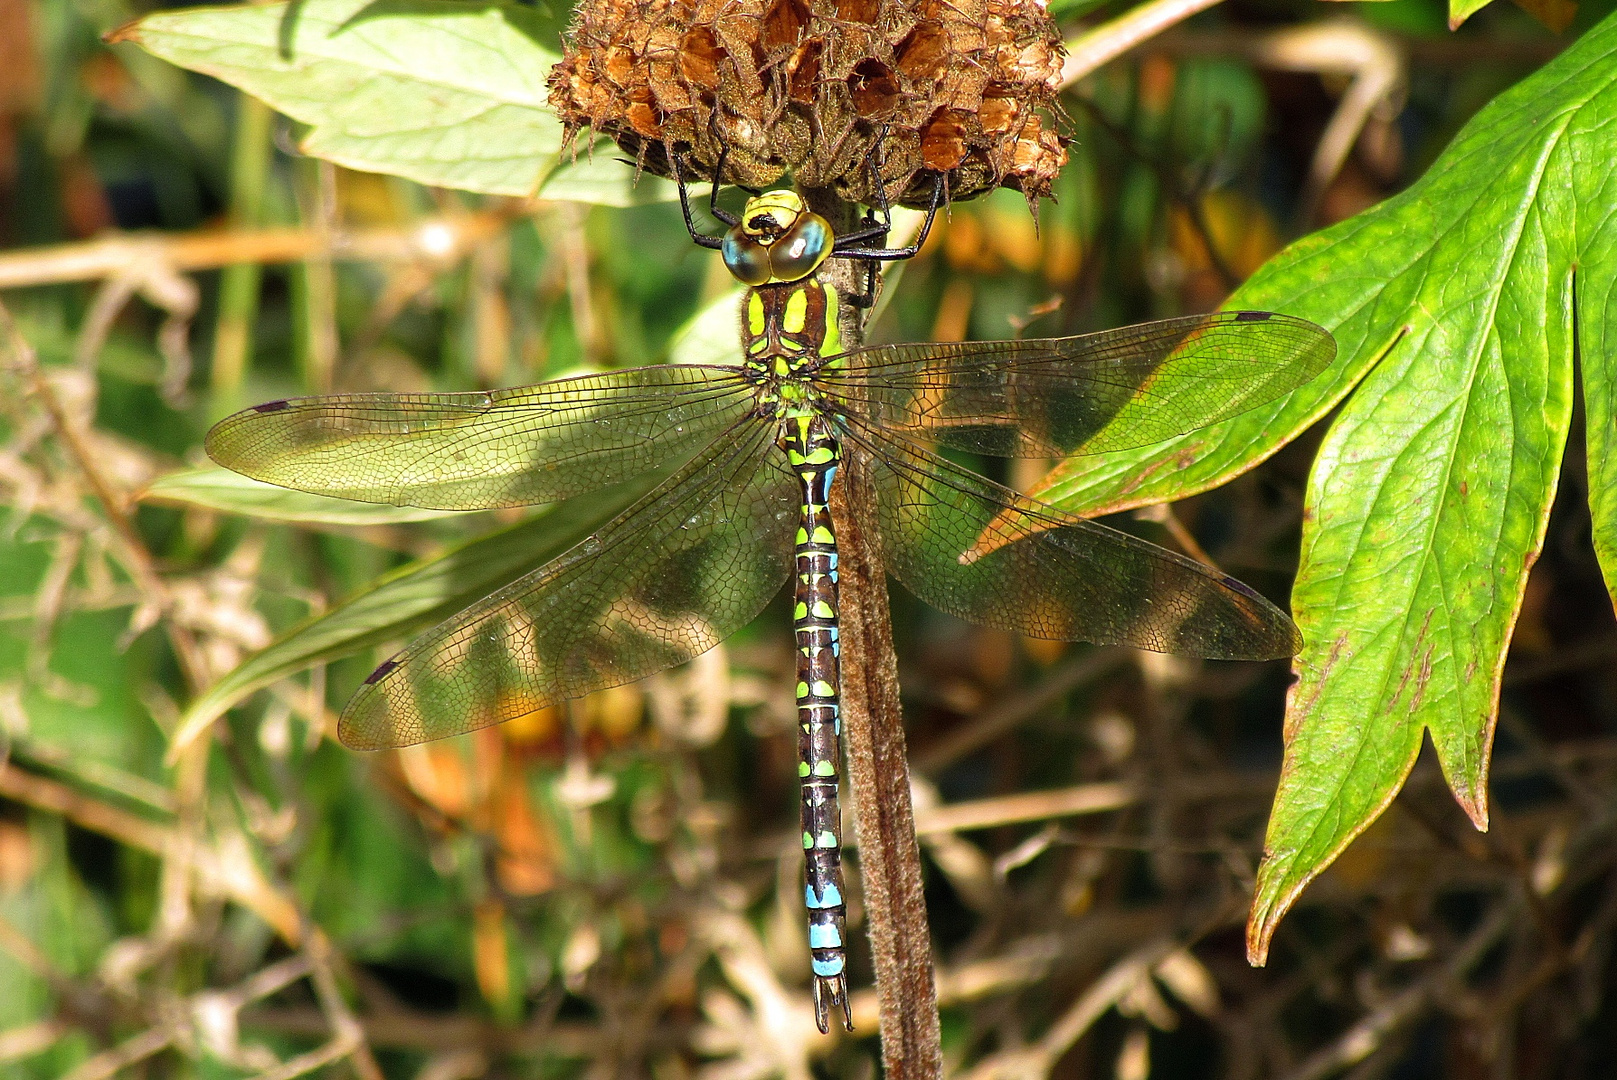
{"x": 1056, "y": 397}
{"x": 982, "y": 552}
{"x": 673, "y": 575}
{"x": 475, "y": 451}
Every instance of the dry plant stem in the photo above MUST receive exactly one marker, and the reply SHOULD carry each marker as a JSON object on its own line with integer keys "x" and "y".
{"x": 873, "y": 732}
{"x": 1365, "y": 1037}
{"x": 1035, "y": 1062}
{"x": 30, "y": 1039}
{"x": 134, "y": 1049}
{"x": 1110, "y": 40}
{"x": 26, "y": 953}
{"x": 239, "y": 286}
{"x": 1023, "y": 964}
{"x": 92, "y": 814}
{"x": 137, "y": 559}
{"x": 990, "y": 724}
{"x": 314, "y": 1060}
{"x": 1371, "y": 59}
{"x": 576, "y": 268}
{"x": 878, "y": 772}
{"x": 439, "y": 239}
{"x": 319, "y": 283}
{"x": 1162, "y": 513}
{"x": 1029, "y": 806}
{"x": 403, "y": 1028}
{"x": 348, "y": 1037}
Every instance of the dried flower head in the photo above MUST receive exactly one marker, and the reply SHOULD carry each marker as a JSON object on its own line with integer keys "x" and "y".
{"x": 961, "y": 88}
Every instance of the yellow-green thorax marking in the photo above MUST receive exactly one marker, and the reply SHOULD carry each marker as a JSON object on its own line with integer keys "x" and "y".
{"x": 788, "y": 324}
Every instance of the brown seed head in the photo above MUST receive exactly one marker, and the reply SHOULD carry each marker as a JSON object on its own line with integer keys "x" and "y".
{"x": 965, "y": 88}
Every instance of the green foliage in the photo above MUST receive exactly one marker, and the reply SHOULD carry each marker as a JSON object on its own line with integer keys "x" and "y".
{"x": 1468, "y": 292}
{"x": 1458, "y": 304}
{"x": 710, "y": 336}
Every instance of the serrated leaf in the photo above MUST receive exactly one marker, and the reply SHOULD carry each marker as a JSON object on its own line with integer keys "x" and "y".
{"x": 439, "y": 91}
{"x": 410, "y": 599}
{"x": 233, "y": 493}
{"x": 1428, "y": 503}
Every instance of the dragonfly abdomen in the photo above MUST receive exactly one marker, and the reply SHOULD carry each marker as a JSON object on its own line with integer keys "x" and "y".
{"x": 812, "y": 453}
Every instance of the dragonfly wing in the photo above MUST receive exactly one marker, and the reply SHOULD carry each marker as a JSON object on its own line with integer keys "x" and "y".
{"x": 676, "y": 573}
{"x": 475, "y": 451}
{"x": 1091, "y": 394}
{"x": 984, "y": 553}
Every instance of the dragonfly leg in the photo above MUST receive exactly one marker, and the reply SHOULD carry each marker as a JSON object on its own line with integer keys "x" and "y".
{"x": 872, "y": 228}
{"x": 893, "y": 254}
{"x": 697, "y": 235}
{"x": 848, "y": 246}
{"x": 713, "y": 190}
{"x": 813, "y": 454}
{"x": 867, "y": 298}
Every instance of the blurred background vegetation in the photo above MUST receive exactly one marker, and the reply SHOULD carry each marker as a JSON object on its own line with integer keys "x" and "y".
{"x": 612, "y": 889}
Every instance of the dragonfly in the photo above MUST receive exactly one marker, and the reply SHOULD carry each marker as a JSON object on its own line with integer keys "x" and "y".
{"x": 749, "y": 455}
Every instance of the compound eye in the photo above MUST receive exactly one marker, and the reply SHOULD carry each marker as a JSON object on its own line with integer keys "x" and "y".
{"x": 745, "y": 258}
{"x": 802, "y": 249}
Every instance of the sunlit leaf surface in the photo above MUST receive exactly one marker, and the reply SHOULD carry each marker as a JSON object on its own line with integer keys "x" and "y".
{"x": 1428, "y": 503}
{"x": 444, "y": 93}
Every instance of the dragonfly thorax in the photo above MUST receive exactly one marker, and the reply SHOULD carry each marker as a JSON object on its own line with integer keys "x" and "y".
{"x": 787, "y": 332}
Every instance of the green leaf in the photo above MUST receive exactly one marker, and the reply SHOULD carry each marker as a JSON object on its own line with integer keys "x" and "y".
{"x": 1461, "y": 10}
{"x": 601, "y": 176}
{"x": 713, "y": 334}
{"x": 1455, "y": 303}
{"x": 410, "y": 599}
{"x": 439, "y": 91}
{"x": 221, "y": 489}
{"x": 1071, "y": 9}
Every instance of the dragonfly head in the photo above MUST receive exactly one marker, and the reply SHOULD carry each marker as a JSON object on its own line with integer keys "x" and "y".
{"x": 778, "y": 239}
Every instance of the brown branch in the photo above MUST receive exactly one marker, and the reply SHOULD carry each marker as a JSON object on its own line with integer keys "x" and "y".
{"x": 878, "y": 772}
{"x": 873, "y": 730}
